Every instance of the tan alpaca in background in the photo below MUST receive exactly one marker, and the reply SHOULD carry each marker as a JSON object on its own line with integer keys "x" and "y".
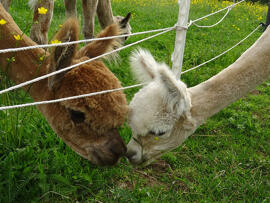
{"x": 104, "y": 12}
{"x": 41, "y": 22}
{"x": 87, "y": 125}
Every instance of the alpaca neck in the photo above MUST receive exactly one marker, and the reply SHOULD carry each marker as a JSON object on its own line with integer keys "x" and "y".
{"x": 211, "y": 96}
{"x": 250, "y": 70}
{"x": 24, "y": 65}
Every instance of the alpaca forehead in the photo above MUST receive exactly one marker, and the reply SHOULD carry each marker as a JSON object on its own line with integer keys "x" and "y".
{"x": 89, "y": 78}
{"x": 148, "y": 110}
{"x": 149, "y": 97}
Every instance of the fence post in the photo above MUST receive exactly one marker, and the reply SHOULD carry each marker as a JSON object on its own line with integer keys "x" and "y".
{"x": 178, "y": 54}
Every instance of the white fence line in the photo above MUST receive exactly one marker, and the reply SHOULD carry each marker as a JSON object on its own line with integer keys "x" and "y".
{"x": 81, "y": 63}
{"x": 69, "y": 98}
{"x": 209, "y": 26}
{"x": 162, "y": 31}
{"x": 118, "y": 89}
{"x": 112, "y": 37}
{"x": 77, "y": 42}
{"x": 230, "y": 6}
{"x": 73, "y": 66}
{"x": 214, "y": 58}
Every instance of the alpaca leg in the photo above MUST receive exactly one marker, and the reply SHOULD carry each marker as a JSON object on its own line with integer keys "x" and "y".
{"x": 89, "y": 10}
{"x": 6, "y": 4}
{"x": 71, "y": 9}
{"x": 104, "y": 13}
{"x": 41, "y": 22}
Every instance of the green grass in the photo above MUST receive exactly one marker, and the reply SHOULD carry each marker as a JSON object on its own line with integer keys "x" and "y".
{"x": 227, "y": 159}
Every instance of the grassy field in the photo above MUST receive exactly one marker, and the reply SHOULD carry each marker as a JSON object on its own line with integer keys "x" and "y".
{"x": 227, "y": 159}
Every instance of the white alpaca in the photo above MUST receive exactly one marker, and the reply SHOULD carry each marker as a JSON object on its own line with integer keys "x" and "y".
{"x": 155, "y": 115}
{"x": 157, "y": 106}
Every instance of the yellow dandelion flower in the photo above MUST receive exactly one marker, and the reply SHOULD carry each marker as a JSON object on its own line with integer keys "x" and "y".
{"x": 11, "y": 59}
{"x": 42, "y": 10}
{"x": 17, "y": 37}
{"x": 56, "y": 41}
{"x": 3, "y": 22}
{"x": 41, "y": 58}
{"x": 60, "y": 25}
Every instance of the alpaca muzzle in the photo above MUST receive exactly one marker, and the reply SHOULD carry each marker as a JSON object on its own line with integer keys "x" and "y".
{"x": 109, "y": 151}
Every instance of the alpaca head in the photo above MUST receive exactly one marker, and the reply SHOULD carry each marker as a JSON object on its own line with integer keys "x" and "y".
{"x": 124, "y": 24}
{"x": 89, "y": 125}
{"x": 154, "y": 109}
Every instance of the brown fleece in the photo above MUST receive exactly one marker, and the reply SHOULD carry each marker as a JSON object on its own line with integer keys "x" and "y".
{"x": 62, "y": 56}
{"x": 87, "y": 125}
{"x": 99, "y": 47}
{"x": 92, "y": 118}
{"x": 102, "y": 112}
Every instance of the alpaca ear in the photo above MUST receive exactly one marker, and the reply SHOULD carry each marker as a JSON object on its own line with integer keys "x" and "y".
{"x": 125, "y": 20}
{"x": 176, "y": 96}
{"x": 143, "y": 65}
{"x": 61, "y": 56}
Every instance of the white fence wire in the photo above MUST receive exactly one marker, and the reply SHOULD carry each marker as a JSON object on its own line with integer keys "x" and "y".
{"x": 81, "y": 63}
{"x": 214, "y": 58}
{"x": 70, "y": 98}
{"x": 161, "y": 31}
{"x": 164, "y": 30}
{"x": 113, "y": 37}
{"x": 119, "y": 89}
{"x": 209, "y": 26}
{"x": 79, "y": 41}
{"x": 218, "y": 11}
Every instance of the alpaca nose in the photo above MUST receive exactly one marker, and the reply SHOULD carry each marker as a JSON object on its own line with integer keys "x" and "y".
{"x": 134, "y": 152}
{"x": 131, "y": 154}
{"x": 134, "y": 157}
{"x": 117, "y": 146}
{"x": 109, "y": 152}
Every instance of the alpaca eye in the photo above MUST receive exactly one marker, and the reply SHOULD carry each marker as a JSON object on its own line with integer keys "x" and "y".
{"x": 161, "y": 133}
{"x": 157, "y": 133}
{"x": 152, "y": 132}
{"x": 77, "y": 116}
{"x": 124, "y": 38}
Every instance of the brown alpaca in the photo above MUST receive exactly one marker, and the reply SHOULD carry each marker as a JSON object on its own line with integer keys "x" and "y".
{"x": 42, "y": 22}
{"x": 87, "y": 125}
